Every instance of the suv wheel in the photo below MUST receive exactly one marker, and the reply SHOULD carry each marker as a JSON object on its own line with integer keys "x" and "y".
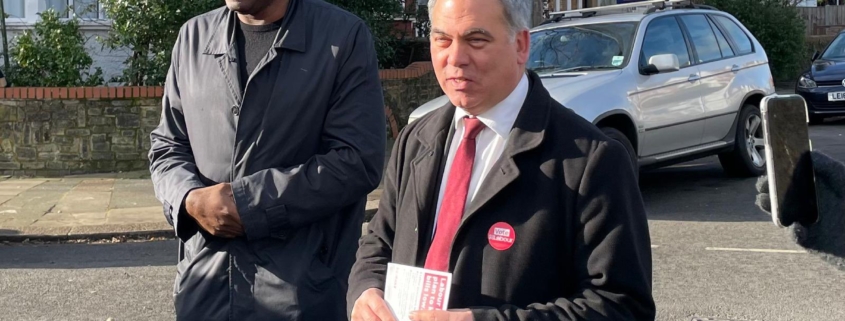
{"x": 749, "y": 155}
{"x": 617, "y": 135}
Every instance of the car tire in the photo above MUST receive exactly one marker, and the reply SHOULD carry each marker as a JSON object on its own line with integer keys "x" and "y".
{"x": 748, "y": 158}
{"x": 815, "y": 120}
{"x": 618, "y": 136}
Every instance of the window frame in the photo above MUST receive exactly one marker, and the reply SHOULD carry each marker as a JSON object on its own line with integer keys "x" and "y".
{"x": 33, "y": 7}
{"x": 642, "y": 59}
{"x": 724, "y": 36}
{"x": 101, "y": 13}
{"x": 23, "y": 4}
{"x": 730, "y": 37}
{"x": 692, "y": 44}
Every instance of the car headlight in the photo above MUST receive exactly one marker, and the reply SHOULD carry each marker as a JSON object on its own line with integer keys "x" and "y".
{"x": 805, "y": 82}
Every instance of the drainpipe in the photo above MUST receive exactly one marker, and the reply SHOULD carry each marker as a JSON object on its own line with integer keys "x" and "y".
{"x": 5, "y": 41}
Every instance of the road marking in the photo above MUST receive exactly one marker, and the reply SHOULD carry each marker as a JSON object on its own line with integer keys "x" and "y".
{"x": 655, "y": 246}
{"x": 752, "y": 250}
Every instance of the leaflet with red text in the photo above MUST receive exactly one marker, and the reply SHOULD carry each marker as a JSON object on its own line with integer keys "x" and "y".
{"x": 411, "y": 289}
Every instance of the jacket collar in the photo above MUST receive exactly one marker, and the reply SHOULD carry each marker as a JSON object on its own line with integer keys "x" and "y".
{"x": 441, "y": 121}
{"x": 294, "y": 33}
{"x": 527, "y": 132}
{"x": 530, "y": 126}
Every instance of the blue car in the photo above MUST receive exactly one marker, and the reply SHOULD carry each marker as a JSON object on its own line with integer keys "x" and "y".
{"x": 823, "y": 85}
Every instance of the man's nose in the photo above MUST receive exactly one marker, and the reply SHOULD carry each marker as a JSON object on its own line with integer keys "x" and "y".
{"x": 458, "y": 54}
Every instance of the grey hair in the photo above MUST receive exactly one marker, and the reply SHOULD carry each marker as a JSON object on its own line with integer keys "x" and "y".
{"x": 517, "y": 14}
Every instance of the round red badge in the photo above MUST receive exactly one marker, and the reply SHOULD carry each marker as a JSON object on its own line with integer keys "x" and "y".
{"x": 501, "y": 236}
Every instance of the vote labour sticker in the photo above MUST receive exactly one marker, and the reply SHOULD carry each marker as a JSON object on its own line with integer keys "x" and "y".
{"x": 501, "y": 236}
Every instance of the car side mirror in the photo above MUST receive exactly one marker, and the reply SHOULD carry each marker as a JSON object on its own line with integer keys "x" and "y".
{"x": 662, "y": 63}
{"x": 816, "y": 55}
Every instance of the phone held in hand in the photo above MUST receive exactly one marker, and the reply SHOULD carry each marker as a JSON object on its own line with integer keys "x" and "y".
{"x": 792, "y": 187}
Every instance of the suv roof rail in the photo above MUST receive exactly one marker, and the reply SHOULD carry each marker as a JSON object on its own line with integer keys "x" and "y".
{"x": 648, "y": 6}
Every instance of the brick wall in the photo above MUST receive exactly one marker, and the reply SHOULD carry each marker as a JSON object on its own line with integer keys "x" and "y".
{"x": 60, "y": 131}
{"x": 405, "y": 90}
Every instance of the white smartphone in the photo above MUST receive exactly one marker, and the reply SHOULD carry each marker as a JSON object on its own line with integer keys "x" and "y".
{"x": 792, "y": 187}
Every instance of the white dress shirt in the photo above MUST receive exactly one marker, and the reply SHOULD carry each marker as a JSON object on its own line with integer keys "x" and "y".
{"x": 489, "y": 144}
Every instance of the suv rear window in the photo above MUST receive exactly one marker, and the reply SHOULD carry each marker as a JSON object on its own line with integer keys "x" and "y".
{"x": 740, "y": 39}
{"x": 723, "y": 42}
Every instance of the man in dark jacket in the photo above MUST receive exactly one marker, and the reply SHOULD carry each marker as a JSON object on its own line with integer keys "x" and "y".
{"x": 533, "y": 210}
{"x": 272, "y": 134}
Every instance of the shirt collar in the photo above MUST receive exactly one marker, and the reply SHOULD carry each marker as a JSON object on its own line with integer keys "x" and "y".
{"x": 503, "y": 115}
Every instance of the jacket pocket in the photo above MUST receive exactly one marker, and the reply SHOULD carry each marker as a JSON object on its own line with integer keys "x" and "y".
{"x": 202, "y": 286}
{"x": 321, "y": 295}
{"x": 318, "y": 275}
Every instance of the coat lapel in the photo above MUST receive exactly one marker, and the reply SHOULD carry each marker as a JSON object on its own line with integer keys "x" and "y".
{"x": 527, "y": 134}
{"x": 221, "y": 46}
{"x": 425, "y": 170}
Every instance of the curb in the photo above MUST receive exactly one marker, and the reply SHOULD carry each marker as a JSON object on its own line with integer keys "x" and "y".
{"x": 98, "y": 232}
{"x": 93, "y": 232}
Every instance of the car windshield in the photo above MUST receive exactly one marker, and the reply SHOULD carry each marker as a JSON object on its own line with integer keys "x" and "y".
{"x": 581, "y": 48}
{"x": 836, "y": 48}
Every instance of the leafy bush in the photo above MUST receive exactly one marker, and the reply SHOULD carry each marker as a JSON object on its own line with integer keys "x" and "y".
{"x": 149, "y": 28}
{"x": 53, "y": 54}
{"x": 779, "y": 28}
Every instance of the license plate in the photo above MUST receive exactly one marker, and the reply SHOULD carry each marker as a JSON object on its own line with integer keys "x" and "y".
{"x": 837, "y": 96}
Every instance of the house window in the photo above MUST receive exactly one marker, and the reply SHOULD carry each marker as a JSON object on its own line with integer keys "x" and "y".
{"x": 14, "y": 8}
{"x": 88, "y": 9}
{"x": 59, "y": 5}
{"x": 25, "y": 12}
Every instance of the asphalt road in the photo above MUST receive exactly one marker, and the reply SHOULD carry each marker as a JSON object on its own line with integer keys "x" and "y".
{"x": 716, "y": 257}
{"x": 123, "y": 281}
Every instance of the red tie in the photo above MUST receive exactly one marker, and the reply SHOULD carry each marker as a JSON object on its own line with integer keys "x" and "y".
{"x": 454, "y": 198}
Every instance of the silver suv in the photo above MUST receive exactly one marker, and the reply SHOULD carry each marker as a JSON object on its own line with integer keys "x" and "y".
{"x": 670, "y": 83}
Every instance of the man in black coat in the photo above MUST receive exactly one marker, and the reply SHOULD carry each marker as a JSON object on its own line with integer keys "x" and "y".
{"x": 272, "y": 134}
{"x": 535, "y": 212}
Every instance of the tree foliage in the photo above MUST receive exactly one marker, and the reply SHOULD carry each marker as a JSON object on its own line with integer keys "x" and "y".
{"x": 53, "y": 54}
{"x": 378, "y": 15}
{"x": 148, "y": 28}
{"x": 779, "y": 28}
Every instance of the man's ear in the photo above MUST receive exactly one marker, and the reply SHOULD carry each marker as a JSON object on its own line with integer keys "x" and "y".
{"x": 523, "y": 45}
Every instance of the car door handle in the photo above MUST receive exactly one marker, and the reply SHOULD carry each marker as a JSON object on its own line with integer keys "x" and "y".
{"x": 694, "y": 77}
{"x": 735, "y": 68}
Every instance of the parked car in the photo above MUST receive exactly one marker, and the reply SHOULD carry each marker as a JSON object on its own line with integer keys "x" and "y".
{"x": 671, "y": 84}
{"x": 823, "y": 84}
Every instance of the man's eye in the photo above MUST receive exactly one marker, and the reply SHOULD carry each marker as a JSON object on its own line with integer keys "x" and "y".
{"x": 477, "y": 40}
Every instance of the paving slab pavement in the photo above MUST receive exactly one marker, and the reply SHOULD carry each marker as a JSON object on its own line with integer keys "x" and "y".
{"x": 87, "y": 207}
